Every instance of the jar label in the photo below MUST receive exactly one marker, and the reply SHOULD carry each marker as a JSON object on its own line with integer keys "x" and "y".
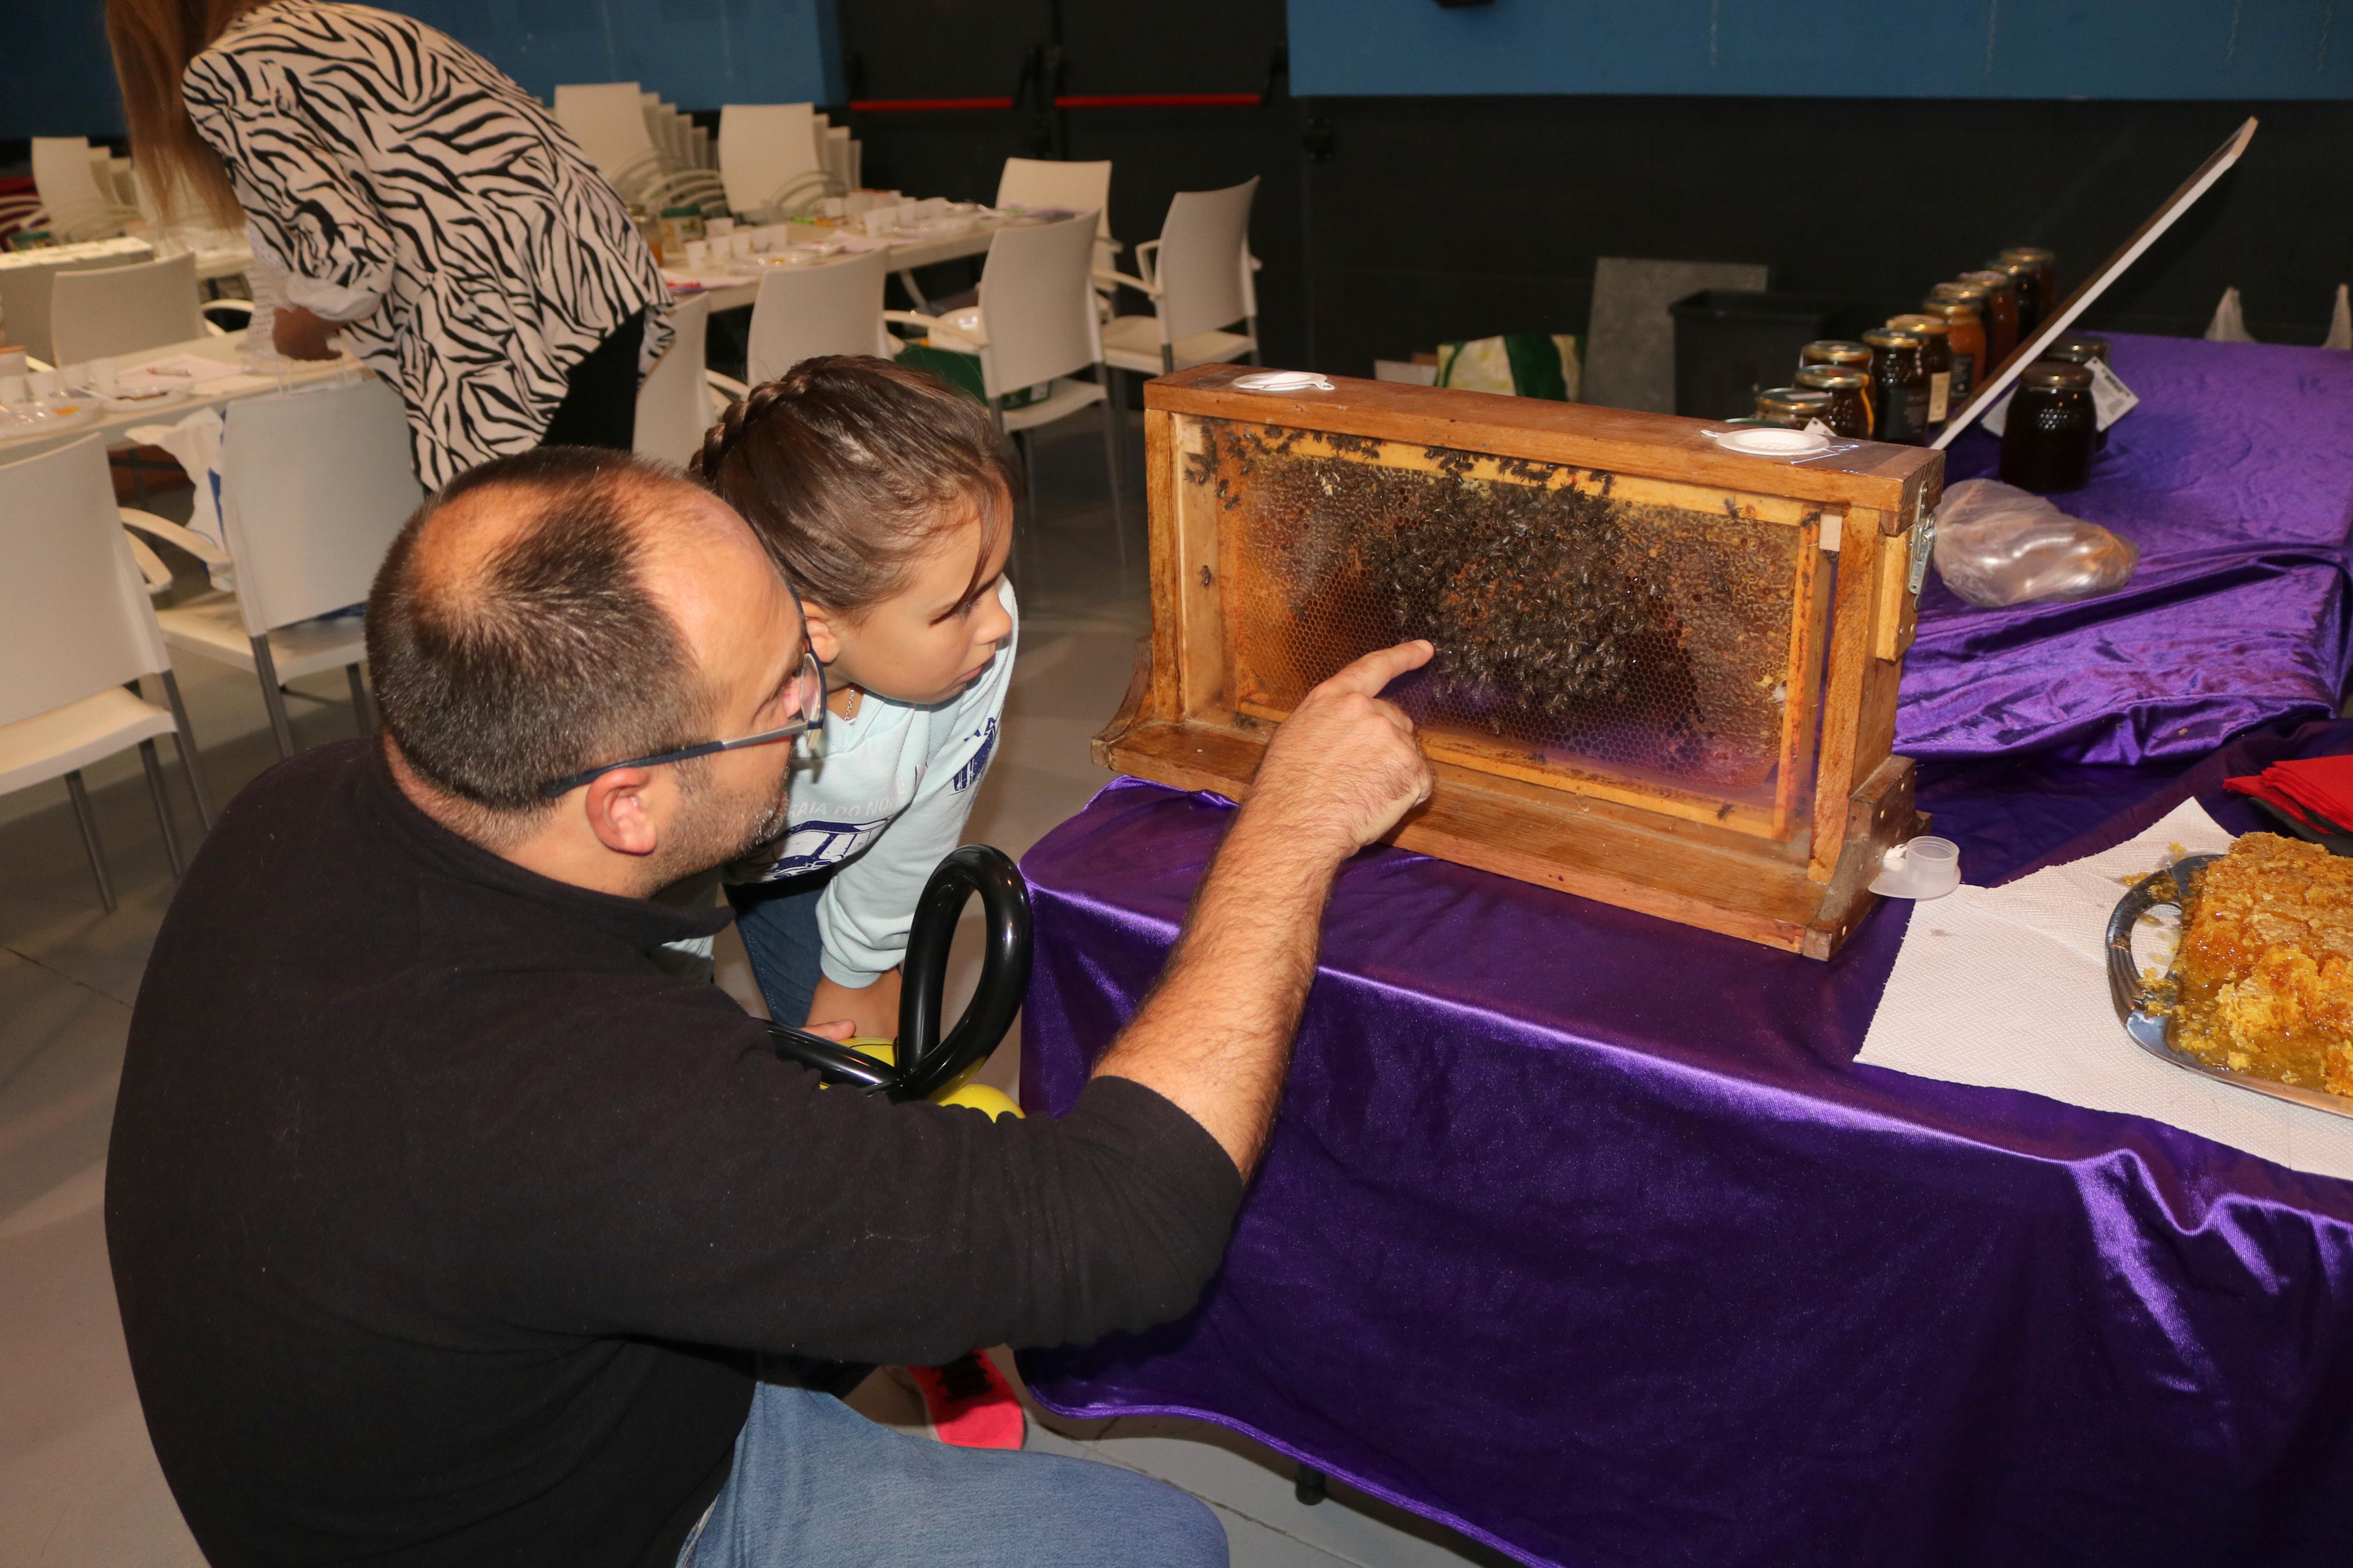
{"x": 2111, "y": 398}
{"x": 1940, "y": 387}
{"x": 1965, "y": 376}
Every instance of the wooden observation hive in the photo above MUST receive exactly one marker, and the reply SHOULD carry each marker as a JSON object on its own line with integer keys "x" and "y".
{"x": 1665, "y": 675}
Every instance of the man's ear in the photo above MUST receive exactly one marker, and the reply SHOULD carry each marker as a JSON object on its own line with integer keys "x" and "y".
{"x": 823, "y": 642}
{"x": 620, "y": 815}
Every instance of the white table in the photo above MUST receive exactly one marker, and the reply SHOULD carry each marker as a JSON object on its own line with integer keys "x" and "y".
{"x": 727, "y": 291}
{"x": 211, "y": 394}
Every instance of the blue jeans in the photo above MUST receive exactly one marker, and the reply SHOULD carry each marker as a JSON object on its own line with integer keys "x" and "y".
{"x": 777, "y": 921}
{"x": 817, "y": 1485}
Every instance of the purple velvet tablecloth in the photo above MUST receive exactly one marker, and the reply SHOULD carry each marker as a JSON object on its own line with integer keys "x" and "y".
{"x": 1582, "y": 1232}
{"x": 2235, "y": 478}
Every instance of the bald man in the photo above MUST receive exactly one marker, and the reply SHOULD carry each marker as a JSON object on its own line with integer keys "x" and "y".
{"x": 449, "y": 1225}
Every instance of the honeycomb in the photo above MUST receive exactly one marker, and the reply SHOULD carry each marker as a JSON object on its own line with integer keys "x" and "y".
{"x": 2263, "y": 980}
{"x": 1577, "y": 632}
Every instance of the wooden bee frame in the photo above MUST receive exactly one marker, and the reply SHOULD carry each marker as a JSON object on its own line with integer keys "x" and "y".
{"x": 1667, "y": 672}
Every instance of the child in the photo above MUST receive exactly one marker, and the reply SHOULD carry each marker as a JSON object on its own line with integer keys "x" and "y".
{"x": 882, "y": 495}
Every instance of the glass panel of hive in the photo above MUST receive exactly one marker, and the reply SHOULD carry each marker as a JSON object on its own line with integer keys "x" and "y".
{"x": 1642, "y": 640}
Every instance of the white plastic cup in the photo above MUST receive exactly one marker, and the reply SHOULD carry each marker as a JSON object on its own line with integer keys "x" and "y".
{"x": 45, "y": 383}
{"x": 102, "y": 377}
{"x": 837, "y": 206}
{"x": 717, "y": 226}
{"x": 698, "y": 252}
{"x": 15, "y": 390}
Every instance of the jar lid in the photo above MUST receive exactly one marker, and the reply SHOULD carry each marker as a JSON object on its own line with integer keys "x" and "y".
{"x": 1893, "y": 338}
{"x": 1932, "y": 326}
{"x": 1992, "y": 282}
{"x": 2077, "y": 347}
{"x": 1952, "y": 310}
{"x": 1797, "y": 399}
{"x": 1835, "y": 351}
{"x": 2033, "y": 253}
{"x": 1833, "y": 378}
{"x": 2014, "y": 269}
{"x": 1971, "y": 294}
{"x": 2058, "y": 374}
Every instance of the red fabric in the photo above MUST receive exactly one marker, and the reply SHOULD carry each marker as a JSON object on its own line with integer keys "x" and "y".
{"x": 2315, "y": 787}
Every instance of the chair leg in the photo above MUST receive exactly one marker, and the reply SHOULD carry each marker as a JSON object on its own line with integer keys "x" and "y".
{"x": 1250, "y": 325}
{"x": 360, "y": 698}
{"x": 185, "y": 739}
{"x": 1111, "y": 468}
{"x": 1027, "y": 447}
{"x": 1168, "y": 359}
{"x": 88, "y": 823}
{"x": 274, "y": 700}
{"x": 148, "y": 760}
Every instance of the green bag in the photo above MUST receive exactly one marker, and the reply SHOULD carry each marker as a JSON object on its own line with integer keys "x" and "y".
{"x": 962, "y": 371}
{"x": 1527, "y": 364}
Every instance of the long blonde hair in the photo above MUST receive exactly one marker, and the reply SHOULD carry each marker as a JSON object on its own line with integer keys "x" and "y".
{"x": 153, "y": 40}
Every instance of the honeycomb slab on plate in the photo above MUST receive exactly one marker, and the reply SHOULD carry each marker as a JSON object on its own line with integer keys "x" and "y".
{"x": 2263, "y": 980}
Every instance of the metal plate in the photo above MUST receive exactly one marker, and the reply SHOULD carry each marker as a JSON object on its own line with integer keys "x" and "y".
{"x": 2149, "y": 1026}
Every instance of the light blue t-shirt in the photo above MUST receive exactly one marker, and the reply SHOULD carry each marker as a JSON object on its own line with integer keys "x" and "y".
{"x": 885, "y": 804}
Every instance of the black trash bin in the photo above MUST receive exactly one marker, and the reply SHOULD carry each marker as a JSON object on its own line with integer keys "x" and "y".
{"x": 1730, "y": 343}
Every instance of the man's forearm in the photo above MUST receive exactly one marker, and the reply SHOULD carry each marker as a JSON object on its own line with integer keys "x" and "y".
{"x": 1214, "y": 1036}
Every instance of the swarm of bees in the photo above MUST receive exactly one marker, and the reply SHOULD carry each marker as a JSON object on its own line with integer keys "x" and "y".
{"x": 1554, "y": 610}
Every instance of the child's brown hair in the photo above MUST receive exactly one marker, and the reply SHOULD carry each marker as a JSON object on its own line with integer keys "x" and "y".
{"x": 847, "y": 466}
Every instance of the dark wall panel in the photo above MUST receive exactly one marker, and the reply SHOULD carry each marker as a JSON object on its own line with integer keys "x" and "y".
{"x": 1440, "y": 219}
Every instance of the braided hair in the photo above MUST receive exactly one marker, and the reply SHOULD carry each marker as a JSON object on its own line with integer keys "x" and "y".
{"x": 848, "y": 467}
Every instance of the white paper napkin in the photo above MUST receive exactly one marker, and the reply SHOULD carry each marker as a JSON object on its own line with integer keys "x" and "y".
{"x": 2007, "y": 988}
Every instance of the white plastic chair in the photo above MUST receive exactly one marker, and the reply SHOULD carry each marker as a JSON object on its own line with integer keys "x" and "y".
{"x": 769, "y": 158}
{"x": 76, "y": 632}
{"x": 1197, "y": 276}
{"x": 314, "y": 485}
{"x": 113, "y": 311}
{"x": 608, "y": 119}
{"x": 82, "y": 203}
{"x": 679, "y": 400}
{"x": 803, "y": 312}
{"x": 1040, "y": 182}
{"x": 1037, "y": 313}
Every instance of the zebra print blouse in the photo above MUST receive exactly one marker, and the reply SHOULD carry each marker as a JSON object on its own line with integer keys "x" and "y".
{"x": 425, "y": 200}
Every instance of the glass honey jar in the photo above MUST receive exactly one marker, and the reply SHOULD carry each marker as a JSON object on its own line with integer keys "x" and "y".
{"x": 1937, "y": 356}
{"x": 1965, "y": 335}
{"x": 1899, "y": 385}
{"x": 2078, "y": 348}
{"x": 2033, "y": 308}
{"x": 1849, "y": 355}
{"x": 1850, "y": 410}
{"x": 2047, "y": 436}
{"x": 1791, "y": 407}
{"x": 2046, "y": 265}
{"x": 2000, "y": 313}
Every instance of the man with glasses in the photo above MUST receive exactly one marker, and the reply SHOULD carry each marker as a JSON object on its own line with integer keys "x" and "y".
{"x": 447, "y": 1223}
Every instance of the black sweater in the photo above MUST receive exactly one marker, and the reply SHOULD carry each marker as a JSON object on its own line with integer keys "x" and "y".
{"x": 443, "y": 1220}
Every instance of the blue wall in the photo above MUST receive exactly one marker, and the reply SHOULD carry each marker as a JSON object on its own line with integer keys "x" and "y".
{"x": 2234, "y": 49}
{"x": 56, "y": 79}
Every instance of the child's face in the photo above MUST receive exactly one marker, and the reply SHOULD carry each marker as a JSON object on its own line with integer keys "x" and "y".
{"x": 919, "y": 645}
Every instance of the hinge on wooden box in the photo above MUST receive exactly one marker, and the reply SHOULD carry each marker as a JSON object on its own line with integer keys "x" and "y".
{"x": 1924, "y": 540}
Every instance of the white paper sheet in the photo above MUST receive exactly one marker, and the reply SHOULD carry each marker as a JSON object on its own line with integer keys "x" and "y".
{"x": 2007, "y": 988}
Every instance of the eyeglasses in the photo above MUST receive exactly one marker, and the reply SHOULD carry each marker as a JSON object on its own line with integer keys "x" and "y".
{"x": 808, "y": 687}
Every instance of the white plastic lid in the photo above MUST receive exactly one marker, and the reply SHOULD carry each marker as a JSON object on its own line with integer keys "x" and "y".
{"x": 1282, "y": 380}
{"x": 1771, "y": 441}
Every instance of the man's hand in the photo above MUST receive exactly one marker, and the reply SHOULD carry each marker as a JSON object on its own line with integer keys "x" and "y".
{"x": 298, "y": 334}
{"x": 1343, "y": 767}
{"x": 1215, "y": 1036}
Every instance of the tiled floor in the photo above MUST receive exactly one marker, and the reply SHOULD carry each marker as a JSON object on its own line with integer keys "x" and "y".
{"x": 78, "y": 1484}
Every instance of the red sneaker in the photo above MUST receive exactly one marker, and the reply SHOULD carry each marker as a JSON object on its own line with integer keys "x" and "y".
{"x": 968, "y": 1403}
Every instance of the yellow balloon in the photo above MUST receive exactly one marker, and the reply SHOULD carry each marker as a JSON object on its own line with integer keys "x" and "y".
{"x": 960, "y": 1091}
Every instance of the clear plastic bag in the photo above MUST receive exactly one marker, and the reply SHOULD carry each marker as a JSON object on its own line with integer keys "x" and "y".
{"x": 1998, "y": 544}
